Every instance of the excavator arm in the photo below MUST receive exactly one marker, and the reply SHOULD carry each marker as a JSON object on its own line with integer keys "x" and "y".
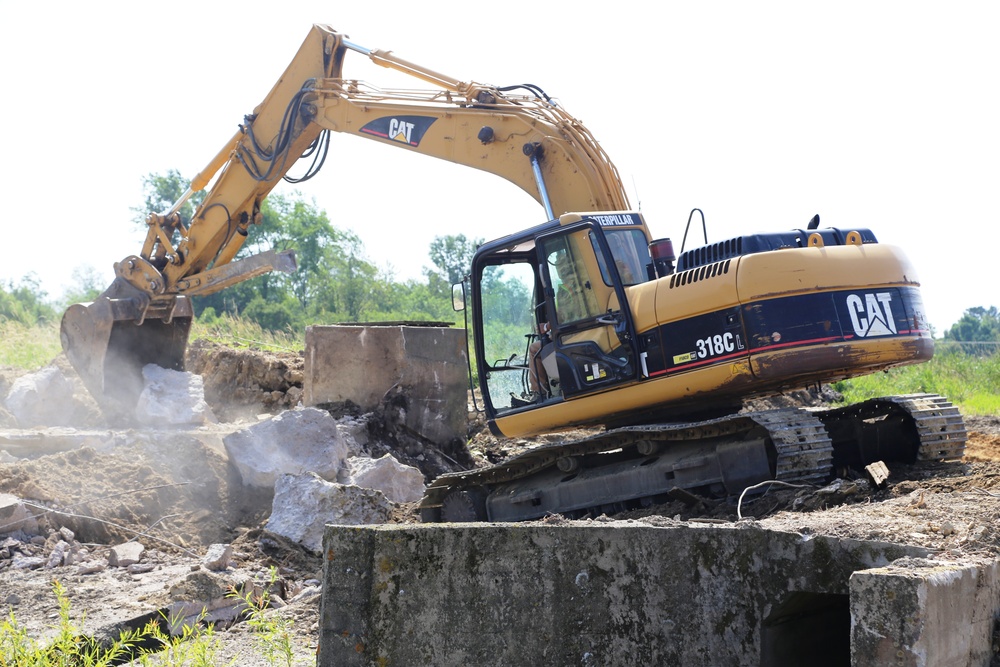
{"x": 145, "y": 315}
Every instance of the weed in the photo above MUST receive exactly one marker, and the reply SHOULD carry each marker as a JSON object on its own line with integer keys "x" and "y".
{"x": 272, "y": 632}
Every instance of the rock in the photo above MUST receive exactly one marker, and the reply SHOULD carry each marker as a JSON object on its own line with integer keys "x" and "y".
{"x": 355, "y": 433}
{"x": 140, "y": 568}
{"x": 91, "y": 567}
{"x": 203, "y": 587}
{"x": 307, "y": 592}
{"x": 217, "y": 557}
{"x": 20, "y": 562}
{"x": 123, "y": 555}
{"x": 292, "y": 443}
{"x": 40, "y": 399}
{"x": 304, "y": 504}
{"x": 399, "y": 482}
{"x": 14, "y": 515}
{"x": 172, "y": 397}
{"x": 57, "y": 555}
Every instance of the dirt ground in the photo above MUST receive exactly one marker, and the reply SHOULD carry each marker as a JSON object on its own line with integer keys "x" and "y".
{"x": 177, "y": 495}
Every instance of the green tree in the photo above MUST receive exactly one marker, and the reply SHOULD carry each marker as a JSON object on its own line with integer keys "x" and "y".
{"x": 88, "y": 283}
{"x": 24, "y": 302}
{"x": 452, "y": 257}
{"x": 161, "y": 192}
{"x": 977, "y": 325}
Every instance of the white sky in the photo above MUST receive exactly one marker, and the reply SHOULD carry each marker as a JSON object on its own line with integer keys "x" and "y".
{"x": 883, "y": 115}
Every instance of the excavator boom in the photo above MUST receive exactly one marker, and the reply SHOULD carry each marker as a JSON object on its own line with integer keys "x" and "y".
{"x": 145, "y": 315}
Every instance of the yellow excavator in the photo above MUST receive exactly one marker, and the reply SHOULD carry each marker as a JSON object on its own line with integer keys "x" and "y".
{"x": 583, "y": 320}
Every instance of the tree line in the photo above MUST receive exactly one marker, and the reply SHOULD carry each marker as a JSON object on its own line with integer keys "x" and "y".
{"x": 335, "y": 281}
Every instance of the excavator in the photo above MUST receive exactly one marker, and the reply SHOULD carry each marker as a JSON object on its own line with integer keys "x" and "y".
{"x": 584, "y": 320}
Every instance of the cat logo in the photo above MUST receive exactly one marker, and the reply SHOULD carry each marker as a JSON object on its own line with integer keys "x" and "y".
{"x": 871, "y": 314}
{"x": 407, "y": 130}
{"x": 400, "y": 130}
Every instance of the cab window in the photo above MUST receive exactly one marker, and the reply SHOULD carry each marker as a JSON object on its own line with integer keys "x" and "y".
{"x": 631, "y": 252}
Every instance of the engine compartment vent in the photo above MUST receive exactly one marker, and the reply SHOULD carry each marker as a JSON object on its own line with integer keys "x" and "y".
{"x": 698, "y": 274}
{"x": 765, "y": 242}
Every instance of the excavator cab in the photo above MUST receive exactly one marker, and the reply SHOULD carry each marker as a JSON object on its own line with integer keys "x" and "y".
{"x": 552, "y": 316}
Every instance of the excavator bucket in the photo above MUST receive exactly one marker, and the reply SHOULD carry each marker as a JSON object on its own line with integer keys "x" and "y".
{"x": 110, "y": 340}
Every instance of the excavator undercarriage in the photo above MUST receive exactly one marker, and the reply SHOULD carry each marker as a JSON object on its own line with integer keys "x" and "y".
{"x": 637, "y": 466}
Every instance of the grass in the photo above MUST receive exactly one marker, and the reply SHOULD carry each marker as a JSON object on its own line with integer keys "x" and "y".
{"x": 970, "y": 382}
{"x": 236, "y": 331}
{"x": 28, "y": 348}
{"x": 194, "y": 646}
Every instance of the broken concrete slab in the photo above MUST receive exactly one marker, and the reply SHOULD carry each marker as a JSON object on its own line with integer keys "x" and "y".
{"x": 123, "y": 555}
{"x": 41, "y": 399}
{"x": 217, "y": 557}
{"x": 172, "y": 397}
{"x": 627, "y": 593}
{"x": 15, "y": 516}
{"x": 305, "y": 504}
{"x": 291, "y": 443}
{"x": 399, "y": 482}
{"x": 426, "y": 365}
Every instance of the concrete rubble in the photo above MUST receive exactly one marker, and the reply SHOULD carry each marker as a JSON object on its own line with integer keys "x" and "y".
{"x": 305, "y": 504}
{"x": 172, "y": 397}
{"x": 41, "y": 399}
{"x": 400, "y": 483}
{"x": 293, "y": 442}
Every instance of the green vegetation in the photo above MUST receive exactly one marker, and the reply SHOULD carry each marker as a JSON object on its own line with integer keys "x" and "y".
{"x": 969, "y": 381}
{"x": 28, "y": 347}
{"x": 194, "y": 646}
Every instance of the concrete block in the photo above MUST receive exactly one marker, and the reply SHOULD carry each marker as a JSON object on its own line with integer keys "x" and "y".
{"x": 428, "y": 366}
{"x": 923, "y": 613}
{"x": 585, "y": 593}
{"x": 43, "y": 398}
{"x": 123, "y": 555}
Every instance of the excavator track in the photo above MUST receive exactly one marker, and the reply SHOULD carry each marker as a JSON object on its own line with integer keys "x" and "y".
{"x": 636, "y": 465}
{"x": 909, "y": 428}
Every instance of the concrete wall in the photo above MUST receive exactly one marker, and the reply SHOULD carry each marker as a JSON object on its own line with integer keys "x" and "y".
{"x": 426, "y": 368}
{"x": 623, "y": 593}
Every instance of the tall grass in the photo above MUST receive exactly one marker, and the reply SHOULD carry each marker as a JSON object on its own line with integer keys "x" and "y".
{"x": 970, "y": 382}
{"x": 28, "y": 347}
{"x": 31, "y": 347}
{"x": 240, "y": 332}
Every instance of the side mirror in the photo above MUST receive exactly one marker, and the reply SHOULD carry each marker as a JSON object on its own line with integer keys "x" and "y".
{"x": 458, "y": 297}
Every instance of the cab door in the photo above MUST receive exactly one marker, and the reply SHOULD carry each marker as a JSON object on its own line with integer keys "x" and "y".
{"x": 592, "y": 342}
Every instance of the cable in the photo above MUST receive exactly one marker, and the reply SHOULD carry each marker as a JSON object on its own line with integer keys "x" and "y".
{"x": 739, "y": 513}
{"x": 318, "y": 149}
{"x": 530, "y": 87}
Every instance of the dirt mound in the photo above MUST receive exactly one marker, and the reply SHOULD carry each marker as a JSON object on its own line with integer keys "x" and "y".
{"x": 170, "y": 488}
{"x": 244, "y": 382}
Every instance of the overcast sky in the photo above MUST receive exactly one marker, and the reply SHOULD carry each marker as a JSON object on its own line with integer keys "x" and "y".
{"x": 882, "y": 115}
